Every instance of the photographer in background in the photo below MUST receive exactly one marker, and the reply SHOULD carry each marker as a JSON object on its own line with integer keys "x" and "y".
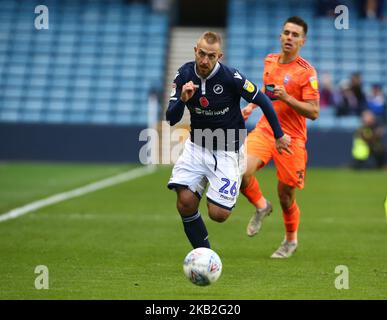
{"x": 368, "y": 142}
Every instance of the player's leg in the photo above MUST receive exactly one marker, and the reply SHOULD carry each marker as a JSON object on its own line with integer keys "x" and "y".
{"x": 187, "y": 202}
{"x": 252, "y": 191}
{"x": 217, "y": 213}
{"x": 250, "y": 187}
{"x": 224, "y": 174}
{"x": 291, "y": 216}
{"x": 186, "y": 178}
{"x": 290, "y": 210}
{"x": 194, "y": 227}
{"x": 291, "y": 174}
{"x": 259, "y": 152}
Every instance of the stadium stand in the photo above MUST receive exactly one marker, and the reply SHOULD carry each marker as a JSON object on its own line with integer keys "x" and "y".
{"x": 253, "y": 32}
{"x": 100, "y": 59}
{"x": 96, "y": 64}
{"x": 90, "y": 74}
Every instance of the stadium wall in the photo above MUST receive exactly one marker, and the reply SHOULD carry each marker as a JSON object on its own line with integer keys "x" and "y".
{"x": 332, "y": 147}
{"x": 61, "y": 142}
{"x": 329, "y": 148}
{"x": 105, "y": 143}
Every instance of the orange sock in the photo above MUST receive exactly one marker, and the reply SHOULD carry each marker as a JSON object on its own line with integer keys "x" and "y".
{"x": 291, "y": 220}
{"x": 253, "y": 193}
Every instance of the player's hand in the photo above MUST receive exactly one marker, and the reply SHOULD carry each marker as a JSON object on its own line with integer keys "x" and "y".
{"x": 280, "y": 93}
{"x": 188, "y": 91}
{"x": 246, "y": 111}
{"x": 284, "y": 143}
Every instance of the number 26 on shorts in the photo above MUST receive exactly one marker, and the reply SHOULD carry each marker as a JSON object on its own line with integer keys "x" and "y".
{"x": 232, "y": 190}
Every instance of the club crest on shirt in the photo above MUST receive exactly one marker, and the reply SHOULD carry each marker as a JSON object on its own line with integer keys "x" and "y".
{"x": 218, "y": 89}
{"x": 286, "y": 79}
{"x": 203, "y": 102}
{"x": 248, "y": 86}
{"x": 313, "y": 82}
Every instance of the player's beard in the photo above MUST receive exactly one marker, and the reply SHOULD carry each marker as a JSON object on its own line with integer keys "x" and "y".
{"x": 204, "y": 71}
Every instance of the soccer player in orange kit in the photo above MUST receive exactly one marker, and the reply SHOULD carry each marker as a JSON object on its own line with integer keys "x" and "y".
{"x": 291, "y": 82}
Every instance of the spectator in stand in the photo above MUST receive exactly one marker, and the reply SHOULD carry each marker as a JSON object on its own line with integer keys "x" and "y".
{"x": 346, "y": 101}
{"x": 371, "y": 9}
{"x": 377, "y": 103}
{"x": 326, "y": 8}
{"x": 326, "y": 91}
{"x": 357, "y": 89}
{"x": 161, "y": 5}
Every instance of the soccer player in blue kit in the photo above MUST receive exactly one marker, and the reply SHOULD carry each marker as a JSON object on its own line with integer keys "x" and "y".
{"x": 212, "y": 91}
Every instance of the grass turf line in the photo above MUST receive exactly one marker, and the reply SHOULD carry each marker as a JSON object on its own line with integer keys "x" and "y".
{"x": 127, "y": 241}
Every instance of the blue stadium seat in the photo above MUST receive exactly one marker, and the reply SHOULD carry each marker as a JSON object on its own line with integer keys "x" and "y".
{"x": 31, "y": 116}
{"x": 77, "y": 105}
{"x": 11, "y": 104}
{"x": 9, "y": 116}
{"x": 78, "y": 69}
{"x": 373, "y": 77}
{"x": 74, "y": 117}
{"x": 349, "y": 122}
{"x": 100, "y": 118}
{"x": 34, "y": 93}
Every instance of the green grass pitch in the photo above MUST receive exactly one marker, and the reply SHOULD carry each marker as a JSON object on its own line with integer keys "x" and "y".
{"x": 127, "y": 241}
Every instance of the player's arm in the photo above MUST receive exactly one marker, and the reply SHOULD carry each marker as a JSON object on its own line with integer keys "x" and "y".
{"x": 248, "y": 110}
{"x": 180, "y": 94}
{"x": 261, "y": 100}
{"x": 309, "y": 108}
{"x": 252, "y": 94}
{"x": 282, "y": 141}
{"x": 175, "y": 111}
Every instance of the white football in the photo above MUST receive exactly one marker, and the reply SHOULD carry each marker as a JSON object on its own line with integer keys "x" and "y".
{"x": 202, "y": 266}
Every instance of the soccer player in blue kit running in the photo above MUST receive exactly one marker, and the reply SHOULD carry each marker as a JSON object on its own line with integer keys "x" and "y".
{"x": 212, "y": 91}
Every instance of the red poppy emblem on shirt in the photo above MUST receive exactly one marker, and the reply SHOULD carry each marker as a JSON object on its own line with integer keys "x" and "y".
{"x": 204, "y": 102}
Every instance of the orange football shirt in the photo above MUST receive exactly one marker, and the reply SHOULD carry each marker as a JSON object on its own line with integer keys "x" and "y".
{"x": 300, "y": 81}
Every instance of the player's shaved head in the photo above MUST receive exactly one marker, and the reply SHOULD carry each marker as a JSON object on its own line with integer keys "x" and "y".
{"x": 211, "y": 38}
{"x": 208, "y": 51}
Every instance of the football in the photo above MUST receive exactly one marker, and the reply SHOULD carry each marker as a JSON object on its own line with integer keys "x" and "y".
{"x": 202, "y": 266}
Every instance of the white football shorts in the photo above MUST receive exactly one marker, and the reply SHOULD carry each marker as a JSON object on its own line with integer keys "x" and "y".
{"x": 222, "y": 169}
